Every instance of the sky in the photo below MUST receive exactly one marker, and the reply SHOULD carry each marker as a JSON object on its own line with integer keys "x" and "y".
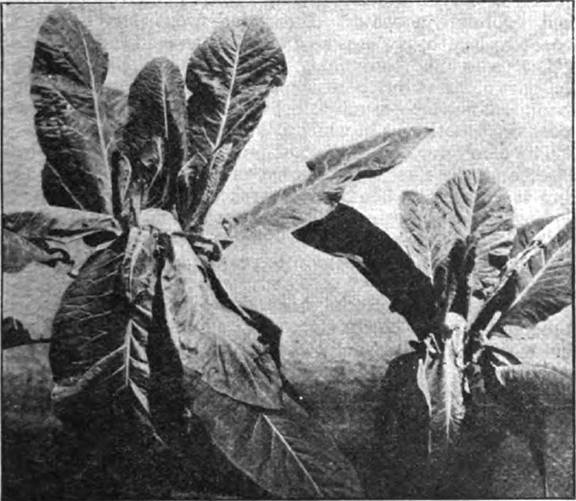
{"x": 493, "y": 80}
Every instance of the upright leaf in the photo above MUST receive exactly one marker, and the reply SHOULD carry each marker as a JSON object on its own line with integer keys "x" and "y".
{"x": 441, "y": 380}
{"x": 229, "y": 76}
{"x": 283, "y": 451}
{"x": 544, "y": 285}
{"x": 426, "y": 237}
{"x": 347, "y": 233}
{"x": 299, "y": 204}
{"x": 100, "y": 333}
{"x": 475, "y": 206}
{"x": 154, "y": 137}
{"x": 72, "y": 124}
{"x": 215, "y": 341}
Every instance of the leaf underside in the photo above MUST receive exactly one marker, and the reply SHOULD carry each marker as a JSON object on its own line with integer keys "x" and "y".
{"x": 299, "y": 204}
{"x": 345, "y": 232}
{"x": 283, "y": 451}
{"x": 544, "y": 286}
{"x": 230, "y": 76}
{"x": 72, "y": 116}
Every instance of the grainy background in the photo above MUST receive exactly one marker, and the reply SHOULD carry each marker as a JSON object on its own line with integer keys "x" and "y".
{"x": 493, "y": 80}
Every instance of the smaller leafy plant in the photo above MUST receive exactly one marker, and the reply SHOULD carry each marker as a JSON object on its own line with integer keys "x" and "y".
{"x": 466, "y": 274}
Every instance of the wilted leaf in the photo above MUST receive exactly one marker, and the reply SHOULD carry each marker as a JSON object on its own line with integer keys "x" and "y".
{"x": 18, "y": 252}
{"x": 215, "y": 341}
{"x": 229, "y": 76}
{"x": 15, "y": 334}
{"x": 60, "y": 224}
{"x": 283, "y": 451}
{"x": 347, "y": 233}
{"x": 527, "y": 386}
{"x": 544, "y": 285}
{"x": 427, "y": 238}
{"x": 299, "y": 204}
{"x": 98, "y": 353}
{"x": 72, "y": 122}
{"x": 154, "y": 137}
{"x": 478, "y": 210}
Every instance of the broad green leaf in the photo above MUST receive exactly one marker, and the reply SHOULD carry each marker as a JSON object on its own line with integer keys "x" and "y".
{"x": 230, "y": 76}
{"x": 14, "y": 334}
{"x": 284, "y": 451}
{"x": 544, "y": 285}
{"x": 426, "y": 237}
{"x": 154, "y": 137}
{"x": 299, "y": 204}
{"x": 100, "y": 334}
{"x": 347, "y": 233}
{"x": 215, "y": 341}
{"x": 477, "y": 209}
{"x": 72, "y": 120}
{"x": 528, "y": 385}
{"x": 18, "y": 252}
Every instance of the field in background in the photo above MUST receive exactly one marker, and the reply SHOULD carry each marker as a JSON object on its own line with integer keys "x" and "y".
{"x": 338, "y": 339}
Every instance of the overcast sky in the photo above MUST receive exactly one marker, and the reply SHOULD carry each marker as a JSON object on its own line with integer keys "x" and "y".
{"x": 493, "y": 80}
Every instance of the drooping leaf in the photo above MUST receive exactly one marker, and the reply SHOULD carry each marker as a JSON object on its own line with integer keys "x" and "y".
{"x": 98, "y": 353}
{"x": 299, "y": 204}
{"x": 543, "y": 285}
{"x": 479, "y": 210}
{"x": 426, "y": 237}
{"x": 19, "y": 252}
{"x": 154, "y": 137}
{"x": 60, "y": 224}
{"x": 14, "y": 334}
{"x": 529, "y": 385}
{"x": 215, "y": 341}
{"x": 347, "y": 233}
{"x": 283, "y": 451}
{"x": 230, "y": 76}
{"x": 72, "y": 123}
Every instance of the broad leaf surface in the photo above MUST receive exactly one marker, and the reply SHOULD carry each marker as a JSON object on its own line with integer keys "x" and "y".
{"x": 426, "y": 237}
{"x": 299, "y": 204}
{"x": 284, "y": 451}
{"x": 478, "y": 209}
{"x": 216, "y": 342}
{"x": 154, "y": 137}
{"x": 98, "y": 353}
{"x": 72, "y": 118}
{"x": 230, "y": 76}
{"x": 347, "y": 233}
{"x": 544, "y": 285}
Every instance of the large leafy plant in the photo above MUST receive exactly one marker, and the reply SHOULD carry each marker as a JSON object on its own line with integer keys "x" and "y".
{"x": 463, "y": 274}
{"x": 148, "y": 346}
